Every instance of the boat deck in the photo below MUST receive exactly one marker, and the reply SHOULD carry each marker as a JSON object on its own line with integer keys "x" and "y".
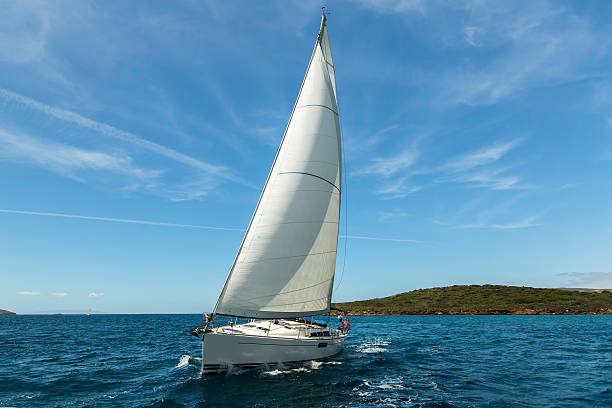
{"x": 280, "y": 328}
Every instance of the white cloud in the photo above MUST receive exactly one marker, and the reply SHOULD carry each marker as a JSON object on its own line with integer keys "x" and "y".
{"x": 391, "y": 6}
{"x": 68, "y": 160}
{"x": 481, "y": 157}
{"x": 488, "y": 178}
{"x": 385, "y": 216}
{"x": 356, "y": 145}
{"x": 398, "y": 188}
{"x": 118, "y": 134}
{"x": 536, "y": 45}
{"x": 568, "y": 186}
{"x": 28, "y": 293}
{"x": 595, "y": 280}
{"x": 471, "y": 35}
{"x": 23, "y": 32}
{"x": 413, "y": 241}
{"x": 525, "y": 223}
{"x": 472, "y": 168}
{"x": 386, "y": 166}
{"x": 96, "y": 295}
{"x": 59, "y": 294}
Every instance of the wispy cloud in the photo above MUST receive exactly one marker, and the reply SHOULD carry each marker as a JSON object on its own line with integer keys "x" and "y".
{"x": 397, "y": 188}
{"x": 528, "y": 222}
{"x": 121, "y": 220}
{"x": 568, "y": 186}
{"x": 476, "y": 168}
{"x": 488, "y": 178}
{"x": 413, "y": 241}
{"x": 96, "y": 294}
{"x": 386, "y": 216}
{"x": 489, "y": 218}
{"x": 392, "y": 6}
{"x": 28, "y": 293}
{"x": 356, "y": 145}
{"x": 537, "y": 45}
{"x": 471, "y": 34}
{"x": 59, "y": 294}
{"x": 387, "y": 166}
{"x": 393, "y": 170}
{"x": 68, "y": 160}
{"x": 599, "y": 280}
{"x": 530, "y": 45}
{"x": 118, "y": 134}
{"x": 486, "y": 155}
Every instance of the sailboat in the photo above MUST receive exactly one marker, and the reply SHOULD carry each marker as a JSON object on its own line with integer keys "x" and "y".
{"x": 284, "y": 269}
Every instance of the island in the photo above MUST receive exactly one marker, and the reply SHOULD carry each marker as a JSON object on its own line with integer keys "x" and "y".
{"x": 485, "y": 300}
{"x": 6, "y": 312}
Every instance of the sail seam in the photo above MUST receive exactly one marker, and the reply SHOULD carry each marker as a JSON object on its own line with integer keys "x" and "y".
{"x": 286, "y": 257}
{"x": 310, "y": 174}
{"x": 297, "y": 303}
{"x": 299, "y": 222}
{"x": 322, "y": 106}
{"x": 291, "y": 291}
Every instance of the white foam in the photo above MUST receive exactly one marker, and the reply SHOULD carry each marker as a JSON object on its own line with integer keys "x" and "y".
{"x": 292, "y": 370}
{"x": 368, "y": 350}
{"x": 184, "y": 361}
{"x": 373, "y": 346}
{"x": 386, "y": 384}
{"x": 315, "y": 365}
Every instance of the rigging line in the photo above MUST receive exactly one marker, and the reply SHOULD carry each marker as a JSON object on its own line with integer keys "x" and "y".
{"x": 345, "y": 193}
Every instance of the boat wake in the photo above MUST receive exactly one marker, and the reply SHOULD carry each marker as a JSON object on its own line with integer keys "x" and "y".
{"x": 306, "y": 368}
{"x": 186, "y": 360}
{"x": 286, "y": 371}
{"x": 316, "y": 365}
{"x": 373, "y": 346}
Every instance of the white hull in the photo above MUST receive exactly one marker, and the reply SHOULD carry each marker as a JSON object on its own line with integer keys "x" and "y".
{"x": 222, "y": 349}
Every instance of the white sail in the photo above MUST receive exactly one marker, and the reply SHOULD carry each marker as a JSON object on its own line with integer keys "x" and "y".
{"x": 285, "y": 265}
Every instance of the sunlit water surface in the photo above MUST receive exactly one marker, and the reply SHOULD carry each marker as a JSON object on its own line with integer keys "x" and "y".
{"x": 412, "y": 361}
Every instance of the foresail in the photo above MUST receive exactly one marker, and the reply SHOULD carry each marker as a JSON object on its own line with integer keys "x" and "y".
{"x": 285, "y": 265}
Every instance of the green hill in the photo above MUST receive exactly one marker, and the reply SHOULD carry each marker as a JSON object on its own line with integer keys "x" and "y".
{"x": 2, "y": 311}
{"x": 486, "y": 299}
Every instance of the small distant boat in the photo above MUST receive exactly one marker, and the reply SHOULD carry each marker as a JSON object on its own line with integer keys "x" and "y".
{"x": 89, "y": 312}
{"x": 284, "y": 269}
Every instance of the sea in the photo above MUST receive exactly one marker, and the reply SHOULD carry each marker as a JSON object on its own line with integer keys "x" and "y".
{"x": 388, "y": 361}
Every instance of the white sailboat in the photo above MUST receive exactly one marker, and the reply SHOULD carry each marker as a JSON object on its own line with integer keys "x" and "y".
{"x": 284, "y": 269}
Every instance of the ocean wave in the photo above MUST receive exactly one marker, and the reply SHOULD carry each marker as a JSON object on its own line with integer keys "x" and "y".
{"x": 184, "y": 361}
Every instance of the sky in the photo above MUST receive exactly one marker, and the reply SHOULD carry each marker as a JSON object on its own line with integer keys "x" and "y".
{"x": 135, "y": 139}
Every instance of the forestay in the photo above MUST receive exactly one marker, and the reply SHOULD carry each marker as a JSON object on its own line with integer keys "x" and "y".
{"x": 285, "y": 265}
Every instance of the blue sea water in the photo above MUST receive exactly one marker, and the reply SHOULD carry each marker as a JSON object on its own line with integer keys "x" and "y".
{"x": 407, "y": 361}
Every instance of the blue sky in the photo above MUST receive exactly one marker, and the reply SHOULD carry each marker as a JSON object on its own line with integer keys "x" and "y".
{"x": 478, "y": 140}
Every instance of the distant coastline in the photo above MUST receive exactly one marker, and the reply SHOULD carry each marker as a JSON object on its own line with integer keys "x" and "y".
{"x": 486, "y": 300}
{"x": 6, "y": 312}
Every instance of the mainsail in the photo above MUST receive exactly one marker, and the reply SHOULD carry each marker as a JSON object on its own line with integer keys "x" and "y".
{"x": 285, "y": 265}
